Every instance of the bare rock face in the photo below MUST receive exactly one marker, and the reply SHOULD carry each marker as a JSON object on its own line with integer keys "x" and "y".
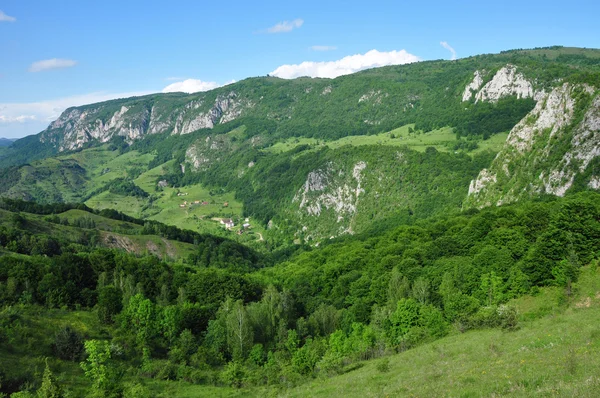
{"x": 75, "y": 127}
{"x": 225, "y": 109}
{"x": 520, "y": 168}
{"x": 585, "y": 146}
{"x": 333, "y": 193}
{"x": 506, "y": 82}
{"x": 473, "y": 86}
{"x": 208, "y": 151}
{"x": 79, "y": 126}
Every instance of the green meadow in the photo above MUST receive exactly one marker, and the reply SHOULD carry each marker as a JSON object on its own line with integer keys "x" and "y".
{"x": 442, "y": 139}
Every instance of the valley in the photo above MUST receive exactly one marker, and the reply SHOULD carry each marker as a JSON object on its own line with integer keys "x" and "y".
{"x": 428, "y": 229}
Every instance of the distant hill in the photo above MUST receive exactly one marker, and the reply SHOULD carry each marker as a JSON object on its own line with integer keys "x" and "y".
{"x": 313, "y": 159}
{"x": 6, "y": 141}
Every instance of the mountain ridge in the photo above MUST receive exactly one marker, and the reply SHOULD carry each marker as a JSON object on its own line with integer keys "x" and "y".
{"x": 223, "y": 140}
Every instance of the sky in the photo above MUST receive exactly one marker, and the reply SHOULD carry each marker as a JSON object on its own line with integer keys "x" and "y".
{"x": 60, "y": 53}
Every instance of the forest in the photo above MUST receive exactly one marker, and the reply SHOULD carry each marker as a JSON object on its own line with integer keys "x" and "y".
{"x": 223, "y": 317}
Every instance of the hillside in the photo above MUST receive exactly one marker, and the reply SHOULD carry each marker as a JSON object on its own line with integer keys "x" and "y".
{"x": 447, "y": 292}
{"x": 306, "y": 160}
{"x": 4, "y": 142}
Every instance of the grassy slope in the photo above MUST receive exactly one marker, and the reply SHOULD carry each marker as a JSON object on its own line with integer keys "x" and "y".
{"x": 441, "y": 139}
{"x": 113, "y": 233}
{"x": 556, "y": 352}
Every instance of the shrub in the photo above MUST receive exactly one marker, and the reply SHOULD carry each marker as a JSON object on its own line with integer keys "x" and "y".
{"x": 234, "y": 374}
{"x": 68, "y": 344}
{"x": 383, "y": 366}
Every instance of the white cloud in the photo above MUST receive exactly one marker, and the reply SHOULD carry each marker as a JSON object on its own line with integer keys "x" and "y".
{"x": 449, "y": 48}
{"x": 54, "y": 63}
{"x": 190, "y": 86}
{"x": 17, "y": 119}
{"x": 6, "y": 18}
{"x": 346, "y": 65}
{"x": 323, "y": 48}
{"x": 21, "y": 119}
{"x": 286, "y": 26}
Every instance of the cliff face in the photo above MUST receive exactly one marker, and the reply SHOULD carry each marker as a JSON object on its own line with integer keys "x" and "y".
{"x": 134, "y": 119}
{"x": 546, "y": 151}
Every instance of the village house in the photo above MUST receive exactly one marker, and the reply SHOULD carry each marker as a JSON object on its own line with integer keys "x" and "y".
{"x": 228, "y": 222}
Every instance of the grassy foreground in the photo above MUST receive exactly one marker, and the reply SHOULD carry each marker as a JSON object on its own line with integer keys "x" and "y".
{"x": 555, "y": 352}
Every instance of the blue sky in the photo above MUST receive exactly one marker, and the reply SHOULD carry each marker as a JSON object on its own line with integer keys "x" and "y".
{"x": 55, "y": 54}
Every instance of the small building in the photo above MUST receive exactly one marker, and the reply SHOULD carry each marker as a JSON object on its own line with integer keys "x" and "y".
{"x": 163, "y": 184}
{"x": 246, "y": 225}
{"x": 226, "y": 204}
{"x": 196, "y": 202}
{"x": 204, "y": 203}
{"x": 182, "y": 206}
{"x": 228, "y": 222}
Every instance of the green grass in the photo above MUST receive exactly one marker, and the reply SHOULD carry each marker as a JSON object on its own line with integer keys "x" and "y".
{"x": 441, "y": 139}
{"x": 553, "y": 53}
{"x": 193, "y": 216}
{"x": 555, "y": 355}
{"x": 120, "y": 167}
{"x": 494, "y": 143}
{"x": 113, "y": 233}
{"x": 129, "y": 205}
{"x": 147, "y": 180}
{"x": 102, "y": 223}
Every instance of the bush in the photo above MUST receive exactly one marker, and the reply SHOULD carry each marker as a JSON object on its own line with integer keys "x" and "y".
{"x": 234, "y": 374}
{"x": 68, "y": 344}
{"x": 383, "y": 366}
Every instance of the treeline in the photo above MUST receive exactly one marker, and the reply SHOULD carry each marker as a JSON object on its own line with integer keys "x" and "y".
{"x": 119, "y": 186}
{"x": 480, "y": 119}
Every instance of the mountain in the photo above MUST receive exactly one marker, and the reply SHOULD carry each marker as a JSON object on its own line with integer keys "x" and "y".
{"x": 272, "y": 237}
{"x": 4, "y": 142}
{"x": 311, "y": 159}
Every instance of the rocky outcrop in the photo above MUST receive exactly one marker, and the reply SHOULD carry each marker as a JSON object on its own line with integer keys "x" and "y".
{"x": 75, "y": 127}
{"x": 137, "y": 118}
{"x": 473, "y": 86}
{"x": 208, "y": 151}
{"x": 506, "y": 82}
{"x": 524, "y": 167}
{"x": 225, "y": 109}
{"x": 585, "y": 146}
{"x": 333, "y": 193}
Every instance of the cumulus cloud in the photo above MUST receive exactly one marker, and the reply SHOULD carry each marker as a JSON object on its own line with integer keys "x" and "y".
{"x": 449, "y": 48}
{"x": 54, "y": 63}
{"x": 6, "y": 18}
{"x": 21, "y": 119}
{"x": 190, "y": 86}
{"x": 346, "y": 65}
{"x": 286, "y": 26}
{"x": 323, "y": 48}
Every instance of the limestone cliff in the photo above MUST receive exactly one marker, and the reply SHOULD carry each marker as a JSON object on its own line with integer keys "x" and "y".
{"x": 546, "y": 151}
